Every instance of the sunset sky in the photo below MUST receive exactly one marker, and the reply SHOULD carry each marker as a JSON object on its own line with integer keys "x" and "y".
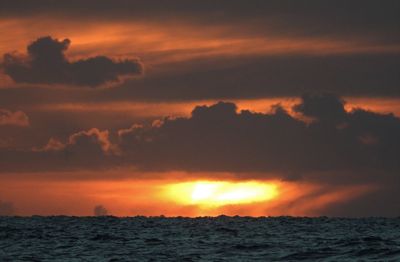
{"x": 200, "y": 108}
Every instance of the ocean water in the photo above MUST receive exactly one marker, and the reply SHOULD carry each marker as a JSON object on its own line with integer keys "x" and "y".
{"x": 221, "y": 238}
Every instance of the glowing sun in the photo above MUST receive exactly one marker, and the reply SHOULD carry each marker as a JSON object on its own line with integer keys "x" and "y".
{"x": 213, "y": 194}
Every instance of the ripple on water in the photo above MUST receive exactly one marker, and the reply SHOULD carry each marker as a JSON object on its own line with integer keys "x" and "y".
{"x": 193, "y": 239}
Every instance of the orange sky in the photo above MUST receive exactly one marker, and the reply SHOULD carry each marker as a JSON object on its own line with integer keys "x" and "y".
{"x": 174, "y": 109}
{"x": 171, "y": 41}
{"x": 153, "y": 197}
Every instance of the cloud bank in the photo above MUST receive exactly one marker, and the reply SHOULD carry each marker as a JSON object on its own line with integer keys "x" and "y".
{"x": 342, "y": 18}
{"x": 46, "y": 63}
{"x": 218, "y": 138}
{"x": 322, "y": 143}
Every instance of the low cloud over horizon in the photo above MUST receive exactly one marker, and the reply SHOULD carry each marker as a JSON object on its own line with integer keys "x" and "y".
{"x": 218, "y": 134}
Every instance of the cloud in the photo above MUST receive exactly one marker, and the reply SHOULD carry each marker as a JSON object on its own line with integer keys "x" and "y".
{"x": 87, "y": 149}
{"x": 268, "y": 76}
{"x": 92, "y": 140}
{"x": 82, "y": 139}
{"x": 17, "y": 118}
{"x": 336, "y": 146}
{"x": 218, "y": 138}
{"x": 6, "y": 209}
{"x": 235, "y": 78}
{"x": 52, "y": 145}
{"x": 46, "y": 64}
{"x": 100, "y": 210}
{"x": 346, "y": 18}
{"x": 326, "y": 107}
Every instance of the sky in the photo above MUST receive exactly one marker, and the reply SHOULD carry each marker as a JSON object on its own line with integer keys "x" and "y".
{"x": 200, "y": 108}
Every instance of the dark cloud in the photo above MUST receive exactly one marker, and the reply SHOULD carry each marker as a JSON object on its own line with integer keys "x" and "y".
{"x": 268, "y": 76}
{"x": 358, "y": 146}
{"x": 88, "y": 149}
{"x": 327, "y": 107}
{"x": 271, "y": 76}
{"x": 100, "y": 211}
{"x": 368, "y": 19}
{"x": 47, "y": 64}
{"x": 87, "y": 142}
{"x": 217, "y": 138}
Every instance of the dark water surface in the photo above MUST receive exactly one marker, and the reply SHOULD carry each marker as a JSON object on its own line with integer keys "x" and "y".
{"x": 198, "y": 239}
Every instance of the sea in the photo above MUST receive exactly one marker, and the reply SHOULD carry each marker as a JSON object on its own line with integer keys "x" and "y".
{"x": 223, "y": 238}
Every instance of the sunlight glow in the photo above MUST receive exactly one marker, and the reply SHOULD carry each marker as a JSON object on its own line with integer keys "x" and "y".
{"x": 219, "y": 193}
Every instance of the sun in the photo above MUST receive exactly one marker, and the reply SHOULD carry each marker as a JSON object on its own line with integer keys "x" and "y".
{"x": 220, "y": 193}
